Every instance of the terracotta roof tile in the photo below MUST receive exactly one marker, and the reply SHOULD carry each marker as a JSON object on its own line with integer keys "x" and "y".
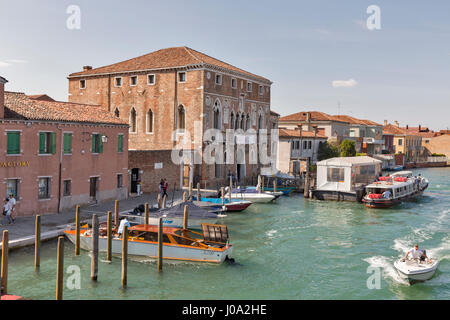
{"x": 164, "y": 58}
{"x": 20, "y": 106}
{"x": 314, "y": 116}
{"x": 296, "y": 134}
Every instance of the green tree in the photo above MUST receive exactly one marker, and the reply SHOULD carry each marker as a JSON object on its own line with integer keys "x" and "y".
{"x": 327, "y": 151}
{"x": 348, "y": 148}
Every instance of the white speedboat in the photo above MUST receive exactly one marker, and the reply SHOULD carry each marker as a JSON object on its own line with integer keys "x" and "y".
{"x": 416, "y": 270}
{"x": 253, "y": 197}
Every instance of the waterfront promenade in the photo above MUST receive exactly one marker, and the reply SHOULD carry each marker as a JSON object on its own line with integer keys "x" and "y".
{"x": 21, "y": 233}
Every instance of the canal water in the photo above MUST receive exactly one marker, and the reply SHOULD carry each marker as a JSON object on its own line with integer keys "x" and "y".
{"x": 295, "y": 249}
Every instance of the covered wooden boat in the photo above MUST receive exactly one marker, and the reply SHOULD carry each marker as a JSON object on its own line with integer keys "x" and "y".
{"x": 211, "y": 245}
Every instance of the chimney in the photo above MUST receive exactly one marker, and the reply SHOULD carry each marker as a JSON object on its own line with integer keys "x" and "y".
{"x": 385, "y": 123}
{"x": 2, "y": 97}
{"x": 397, "y": 124}
{"x": 87, "y": 68}
{"x": 420, "y": 128}
{"x": 407, "y": 127}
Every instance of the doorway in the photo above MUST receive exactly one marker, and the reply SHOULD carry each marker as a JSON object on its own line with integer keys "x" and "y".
{"x": 93, "y": 188}
{"x": 134, "y": 180}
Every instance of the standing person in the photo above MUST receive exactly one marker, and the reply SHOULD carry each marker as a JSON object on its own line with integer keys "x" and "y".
{"x": 12, "y": 203}
{"x": 161, "y": 188}
{"x": 6, "y": 212}
{"x": 165, "y": 186}
{"x": 124, "y": 222}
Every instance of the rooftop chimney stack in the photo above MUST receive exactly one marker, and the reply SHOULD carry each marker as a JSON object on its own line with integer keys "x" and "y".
{"x": 385, "y": 123}
{"x": 87, "y": 68}
{"x": 2, "y": 97}
{"x": 420, "y": 128}
{"x": 407, "y": 127}
{"x": 397, "y": 124}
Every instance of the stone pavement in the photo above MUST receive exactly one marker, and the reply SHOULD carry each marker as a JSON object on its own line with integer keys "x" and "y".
{"x": 21, "y": 233}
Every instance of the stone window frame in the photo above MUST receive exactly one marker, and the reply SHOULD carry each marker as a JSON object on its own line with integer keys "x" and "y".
{"x": 131, "y": 81}
{"x": 64, "y": 188}
{"x": 235, "y": 83}
{"x": 115, "y": 82}
{"x": 154, "y": 79}
{"x": 147, "y": 131}
{"x": 249, "y": 86}
{"x": 217, "y": 107}
{"x": 135, "y": 121}
{"x": 218, "y": 76}
{"x": 85, "y": 84}
{"x": 49, "y": 184}
{"x": 178, "y": 76}
{"x": 261, "y": 90}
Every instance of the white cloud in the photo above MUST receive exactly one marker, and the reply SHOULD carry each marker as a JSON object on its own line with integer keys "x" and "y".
{"x": 17, "y": 61}
{"x": 4, "y": 64}
{"x": 344, "y": 83}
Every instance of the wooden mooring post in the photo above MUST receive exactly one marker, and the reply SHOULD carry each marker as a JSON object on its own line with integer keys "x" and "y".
{"x": 94, "y": 257}
{"x": 146, "y": 213}
{"x": 109, "y": 237}
{"x": 159, "y": 201}
{"x": 185, "y": 217}
{"x": 116, "y": 213}
{"x": 275, "y": 185}
{"x": 37, "y": 242}
{"x": 190, "y": 191}
{"x": 124, "y": 256}
{"x": 231, "y": 188}
{"x": 222, "y": 194}
{"x": 77, "y": 231}
{"x": 184, "y": 197}
{"x": 4, "y": 271}
{"x": 164, "y": 201}
{"x": 198, "y": 192}
{"x": 262, "y": 183}
{"x": 60, "y": 269}
{"x": 160, "y": 245}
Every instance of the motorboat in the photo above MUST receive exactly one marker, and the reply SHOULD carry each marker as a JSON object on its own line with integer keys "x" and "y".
{"x": 174, "y": 216}
{"x": 236, "y": 205}
{"x": 284, "y": 190}
{"x": 401, "y": 185}
{"x": 211, "y": 245}
{"x": 416, "y": 270}
{"x": 395, "y": 168}
{"x": 254, "y": 197}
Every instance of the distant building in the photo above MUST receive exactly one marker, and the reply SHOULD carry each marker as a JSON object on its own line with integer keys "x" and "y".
{"x": 56, "y": 155}
{"x": 406, "y": 142}
{"x": 175, "y": 89}
{"x": 296, "y": 148}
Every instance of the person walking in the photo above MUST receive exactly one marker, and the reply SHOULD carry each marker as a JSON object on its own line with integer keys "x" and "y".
{"x": 12, "y": 203}
{"x": 165, "y": 186}
{"x": 6, "y": 212}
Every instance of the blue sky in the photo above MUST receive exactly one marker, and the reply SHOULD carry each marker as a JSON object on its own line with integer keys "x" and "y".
{"x": 401, "y": 72}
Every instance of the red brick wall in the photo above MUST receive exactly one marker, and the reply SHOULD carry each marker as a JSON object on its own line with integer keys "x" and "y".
{"x": 2, "y": 100}
{"x": 79, "y": 166}
{"x": 149, "y": 176}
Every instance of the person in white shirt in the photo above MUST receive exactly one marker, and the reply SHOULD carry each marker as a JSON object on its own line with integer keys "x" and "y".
{"x": 417, "y": 254}
{"x": 124, "y": 222}
{"x": 387, "y": 194}
{"x": 6, "y": 212}
{"x": 12, "y": 202}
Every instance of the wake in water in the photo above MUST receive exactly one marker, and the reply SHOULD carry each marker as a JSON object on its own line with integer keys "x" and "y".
{"x": 386, "y": 264}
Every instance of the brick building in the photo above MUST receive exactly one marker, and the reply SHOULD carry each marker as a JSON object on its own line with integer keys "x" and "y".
{"x": 177, "y": 89}
{"x": 55, "y": 155}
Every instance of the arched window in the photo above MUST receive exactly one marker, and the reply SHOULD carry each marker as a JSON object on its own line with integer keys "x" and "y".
{"x": 117, "y": 112}
{"x": 149, "y": 121}
{"x": 232, "y": 120}
{"x": 247, "y": 122}
{"x": 216, "y": 115}
{"x": 236, "y": 124}
{"x": 133, "y": 122}
{"x": 260, "y": 121}
{"x": 181, "y": 117}
{"x": 242, "y": 121}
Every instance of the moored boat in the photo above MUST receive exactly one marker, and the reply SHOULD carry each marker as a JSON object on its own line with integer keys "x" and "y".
{"x": 391, "y": 190}
{"x": 254, "y": 197}
{"x": 236, "y": 205}
{"x": 212, "y": 245}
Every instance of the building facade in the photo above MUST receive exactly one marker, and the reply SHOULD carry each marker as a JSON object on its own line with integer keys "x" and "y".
{"x": 183, "y": 90}
{"x": 55, "y": 155}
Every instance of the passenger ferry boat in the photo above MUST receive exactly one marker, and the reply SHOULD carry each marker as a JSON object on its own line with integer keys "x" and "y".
{"x": 401, "y": 185}
{"x": 212, "y": 245}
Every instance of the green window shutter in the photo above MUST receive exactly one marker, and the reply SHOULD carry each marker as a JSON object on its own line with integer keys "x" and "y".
{"x": 100, "y": 143}
{"x": 67, "y": 143}
{"x": 120, "y": 143}
{"x": 94, "y": 137}
{"x": 42, "y": 142}
{"x": 53, "y": 143}
{"x": 13, "y": 143}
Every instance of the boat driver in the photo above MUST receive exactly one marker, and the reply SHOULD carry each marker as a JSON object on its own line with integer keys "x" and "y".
{"x": 387, "y": 194}
{"x": 124, "y": 222}
{"x": 417, "y": 254}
